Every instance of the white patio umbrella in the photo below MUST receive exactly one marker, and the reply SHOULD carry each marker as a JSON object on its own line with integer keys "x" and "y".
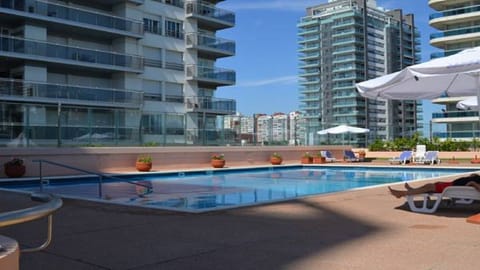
{"x": 468, "y": 104}
{"x": 454, "y": 75}
{"x": 343, "y": 129}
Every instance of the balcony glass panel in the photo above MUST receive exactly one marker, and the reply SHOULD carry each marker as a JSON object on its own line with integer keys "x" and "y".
{"x": 456, "y": 32}
{"x": 211, "y": 42}
{"x": 210, "y": 73}
{"x": 453, "y": 12}
{"x": 454, "y": 114}
{"x": 210, "y": 11}
{"x": 19, "y": 88}
{"x": 75, "y": 14}
{"x": 36, "y": 48}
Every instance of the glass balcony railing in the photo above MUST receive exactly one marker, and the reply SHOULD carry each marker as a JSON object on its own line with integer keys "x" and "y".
{"x": 212, "y": 104}
{"x": 443, "y": 54}
{"x": 177, "y": 3}
{"x": 457, "y": 134}
{"x": 211, "y": 42}
{"x": 34, "y": 49}
{"x": 456, "y": 32}
{"x": 209, "y": 11}
{"x": 453, "y": 12}
{"x": 220, "y": 75}
{"x": 72, "y": 94}
{"x": 455, "y": 114}
{"x": 74, "y": 14}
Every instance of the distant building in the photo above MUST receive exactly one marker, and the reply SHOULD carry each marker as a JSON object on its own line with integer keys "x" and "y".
{"x": 118, "y": 72}
{"x": 457, "y": 24}
{"x": 341, "y": 43}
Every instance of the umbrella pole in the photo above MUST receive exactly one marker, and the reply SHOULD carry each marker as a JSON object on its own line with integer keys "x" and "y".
{"x": 477, "y": 81}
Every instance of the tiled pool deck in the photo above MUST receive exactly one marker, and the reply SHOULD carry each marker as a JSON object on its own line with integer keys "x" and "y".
{"x": 362, "y": 229}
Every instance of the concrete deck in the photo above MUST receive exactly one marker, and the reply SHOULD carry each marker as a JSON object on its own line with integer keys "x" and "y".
{"x": 362, "y": 229}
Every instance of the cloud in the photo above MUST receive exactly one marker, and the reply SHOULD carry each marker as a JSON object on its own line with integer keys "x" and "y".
{"x": 273, "y": 81}
{"x": 286, "y": 5}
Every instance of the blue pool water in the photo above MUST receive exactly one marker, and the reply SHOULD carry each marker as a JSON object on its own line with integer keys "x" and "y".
{"x": 214, "y": 190}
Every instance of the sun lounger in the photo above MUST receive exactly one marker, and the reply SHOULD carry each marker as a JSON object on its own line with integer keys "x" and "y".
{"x": 348, "y": 155}
{"x": 431, "y": 157}
{"x": 328, "y": 156}
{"x": 420, "y": 152}
{"x": 404, "y": 157}
{"x": 459, "y": 194}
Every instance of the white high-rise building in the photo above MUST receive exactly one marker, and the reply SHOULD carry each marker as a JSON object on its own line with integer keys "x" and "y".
{"x": 344, "y": 42}
{"x": 457, "y": 24}
{"x": 113, "y": 71}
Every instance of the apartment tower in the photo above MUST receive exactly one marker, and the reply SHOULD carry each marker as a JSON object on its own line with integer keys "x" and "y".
{"x": 112, "y": 72}
{"x": 457, "y": 22}
{"x": 343, "y": 42}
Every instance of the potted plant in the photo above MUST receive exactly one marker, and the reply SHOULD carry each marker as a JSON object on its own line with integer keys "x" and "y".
{"x": 144, "y": 163}
{"x": 361, "y": 154}
{"x": 218, "y": 160}
{"x": 14, "y": 167}
{"x": 319, "y": 158}
{"x": 276, "y": 159}
{"x": 306, "y": 158}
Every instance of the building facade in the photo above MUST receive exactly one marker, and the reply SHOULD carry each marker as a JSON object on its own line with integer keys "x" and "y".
{"x": 116, "y": 72}
{"x": 343, "y": 42}
{"x": 457, "y": 22}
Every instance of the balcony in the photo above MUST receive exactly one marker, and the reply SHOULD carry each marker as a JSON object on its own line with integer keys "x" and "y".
{"x": 208, "y": 76}
{"x": 455, "y": 12}
{"x": 210, "y": 45}
{"x": 26, "y": 49}
{"x": 211, "y": 105}
{"x": 45, "y": 93}
{"x": 462, "y": 34}
{"x": 456, "y": 116}
{"x": 208, "y": 16}
{"x": 73, "y": 17}
{"x": 176, "y": 3}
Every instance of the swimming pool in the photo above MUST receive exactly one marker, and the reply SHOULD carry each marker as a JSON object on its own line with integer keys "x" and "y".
{"x": 201, "y": 191}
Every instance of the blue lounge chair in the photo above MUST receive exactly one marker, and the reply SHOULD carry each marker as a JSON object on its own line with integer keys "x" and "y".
{"x": 348, "y": 155}
{"x": 404, "y": 158}
{"x": 328, "y": 156}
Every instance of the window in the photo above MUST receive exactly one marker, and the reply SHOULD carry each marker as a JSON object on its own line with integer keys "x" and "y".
{"x": 152, "y": 57}
{"x": 152, "y": 26}
{"x": 174, "y": 60}
{"x": 173, "y": 29}
{"x": 173, "y": 92}
{"x": 152, "y": 124}
{"x": 152, "y": 90}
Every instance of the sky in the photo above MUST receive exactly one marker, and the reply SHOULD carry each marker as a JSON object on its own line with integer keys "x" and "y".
{"x": 266, "y": 60}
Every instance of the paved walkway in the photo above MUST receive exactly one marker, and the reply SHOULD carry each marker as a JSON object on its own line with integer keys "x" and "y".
{"x": 363, "y": 229}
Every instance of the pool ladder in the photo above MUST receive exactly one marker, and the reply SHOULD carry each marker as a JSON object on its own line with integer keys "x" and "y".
{"x": 99, "y": 175}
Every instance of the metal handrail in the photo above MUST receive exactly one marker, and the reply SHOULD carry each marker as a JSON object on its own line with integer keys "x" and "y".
{"x": 100, "y": 175}
{"x": 52, "y": 204}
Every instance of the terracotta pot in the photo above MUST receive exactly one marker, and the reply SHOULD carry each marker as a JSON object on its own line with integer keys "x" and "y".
{"x": 319, "y": 160}
{"x": 143, "y": 166}
{"x": 14, "y": 170}
{"x": 307, "y": 160}
{"x": 275, "y": 160}
{"x": 218, "y": 163}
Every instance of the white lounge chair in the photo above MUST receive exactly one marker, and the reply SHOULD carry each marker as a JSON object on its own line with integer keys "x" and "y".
{"x": 431, "y": 157}
{"x": 420, "y": 152}
{"x": 459, "y": 194}
{"x": 404, "y": 157}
